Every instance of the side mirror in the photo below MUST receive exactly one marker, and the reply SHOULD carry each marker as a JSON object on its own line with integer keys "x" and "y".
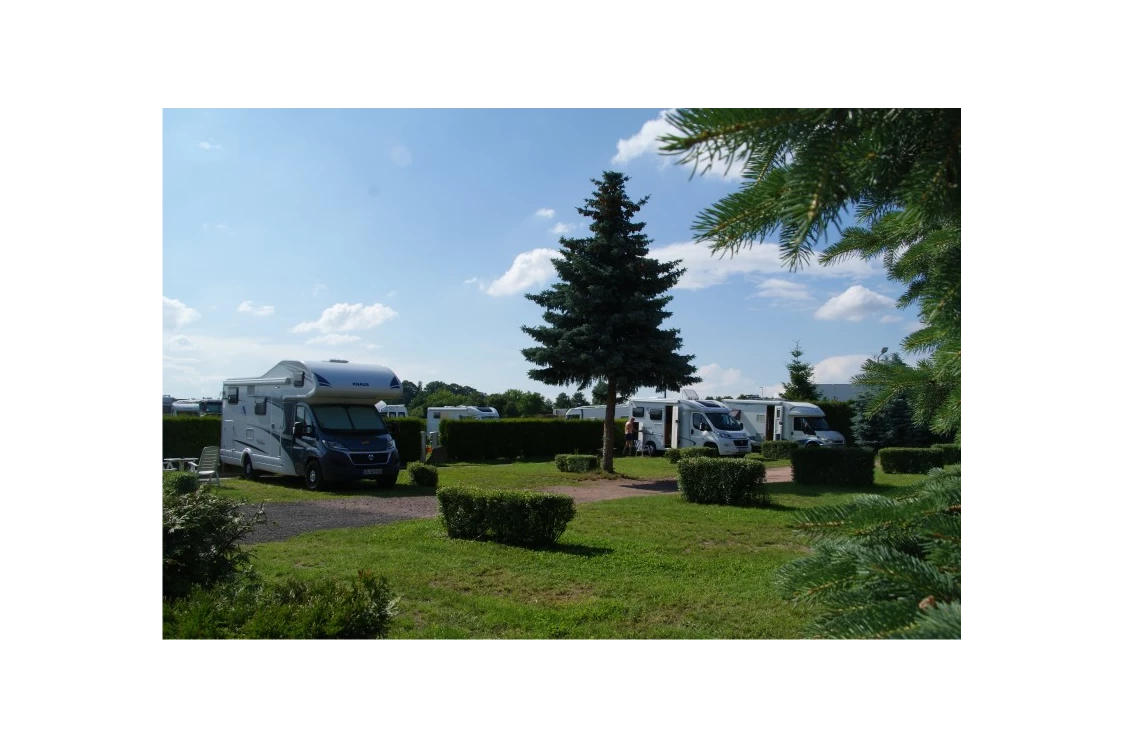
{"x": 703, "y": 427}
{"x": 298, "y": 429}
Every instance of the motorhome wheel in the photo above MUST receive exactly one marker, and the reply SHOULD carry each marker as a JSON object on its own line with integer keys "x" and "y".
{"x": 247, "y": 470}
{"x": 312, "y": 476}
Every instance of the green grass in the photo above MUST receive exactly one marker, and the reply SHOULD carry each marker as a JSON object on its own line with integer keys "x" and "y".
{"x": 643, "y": 567}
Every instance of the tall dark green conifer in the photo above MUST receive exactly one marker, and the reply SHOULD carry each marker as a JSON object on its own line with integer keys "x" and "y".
{"x": 603, "y": 315}
{"x": 801, "y": 385}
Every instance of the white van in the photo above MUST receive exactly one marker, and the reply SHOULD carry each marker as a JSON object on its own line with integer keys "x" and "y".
{"x": 393, "y": 411}
{"x": 680, "y": 422}
{"x": 315, "y": 419}
{"x": 770, "y": 420}
{"x": 591, "y": 412}
{"x": 434, "y": 416}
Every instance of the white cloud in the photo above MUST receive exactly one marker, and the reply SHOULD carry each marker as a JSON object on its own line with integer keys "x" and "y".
{"x": 839, "y": 369}
{"x": 645, "y": 141}
{"x": 563, "y": 228}
{"x": 347, "y": 317}
{"x": 401, "y": 156}
{"x": 718, "y": 381}
{"x": 261, "y": 311}
{"x": 704, "y": 269}
{"x": 333, "y": 339}
{"x": 317, "y": 288}
{"x": 178, "y": 314}
{"x": 529, "y": 269}
{"x": 544, "y": 212}
{"x": 775, "y": 288}
{"x": 890, "y": 318}
{"x": 854, "y": 305}
{"x": 207, "y": 145}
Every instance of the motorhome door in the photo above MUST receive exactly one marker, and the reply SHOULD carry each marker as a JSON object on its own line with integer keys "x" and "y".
{"x": 778, "y": 426}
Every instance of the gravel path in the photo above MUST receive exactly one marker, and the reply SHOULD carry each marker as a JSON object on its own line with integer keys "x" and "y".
{"x": 288, "y": 519}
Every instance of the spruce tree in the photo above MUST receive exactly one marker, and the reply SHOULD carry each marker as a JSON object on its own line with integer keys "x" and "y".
{"x": 897, "y": 172}
{"x": 800, "y": 386}
{"x": 603, "y": 316}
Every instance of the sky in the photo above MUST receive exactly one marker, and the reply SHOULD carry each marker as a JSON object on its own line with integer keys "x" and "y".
{"x": 409, "y": 238}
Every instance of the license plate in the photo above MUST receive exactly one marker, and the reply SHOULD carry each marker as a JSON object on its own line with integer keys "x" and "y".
{"x": 373, "y": 471}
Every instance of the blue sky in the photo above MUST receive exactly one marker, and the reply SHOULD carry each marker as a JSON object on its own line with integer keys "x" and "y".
{"x": 408, "y": 238}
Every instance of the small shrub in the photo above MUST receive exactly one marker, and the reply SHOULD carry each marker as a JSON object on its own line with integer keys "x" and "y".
{"x": 513, "y": 517}
{"x": 576, "y": 463}
{"x": 778, "y": 450}
{"x": 202, "y": 531}
{"x": 951, "y": 452}
{"x": 422, "y": 474}
{"x": 845, "y": 466}
{"x": 294, "y": 609}
{"x": 180, "y": 482}
{"x": 674, "y": 455}
{"x": 910, "y": 460}
{"x": 710, "y": 480}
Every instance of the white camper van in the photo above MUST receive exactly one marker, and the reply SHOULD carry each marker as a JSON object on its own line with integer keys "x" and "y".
{"x": 592, "y": 412}
{"x": 682, "y": 422}
{"x": 197, "y": 407}
{"x": 314, "y": 419}
{"x": 769, "y": 420}
{"x": 392, "y": 411}
{"x": 434, "y": 416}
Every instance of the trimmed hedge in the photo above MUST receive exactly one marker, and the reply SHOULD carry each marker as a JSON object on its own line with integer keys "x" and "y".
{"x": 180, "y": 482}
{"x": 913, "y": 460}
{"x": 514, "y": 517}
{"x": 422, "y": 474}
{"x": 951, "y": 452}
{"x": 839, "y": 415}
{"x": 778, "y": 450}
{"x": 834, "y": 466}
{"x": 681, "y": 453}
{"x": 186, "y": 437}
{"x": 407, "y": 433}
{"x": 473, "y": 440}
{"x": 576, "y": 463}
{"x": 711, "y": 480}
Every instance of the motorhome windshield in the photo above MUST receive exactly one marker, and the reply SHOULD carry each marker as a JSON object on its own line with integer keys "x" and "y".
{"x": 811, "y": 424}
{"x": 349, "y": 419}
{"x": 724, "y": 422}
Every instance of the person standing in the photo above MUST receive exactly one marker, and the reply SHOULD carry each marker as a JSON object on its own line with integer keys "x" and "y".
{"x": 631, "y": 432}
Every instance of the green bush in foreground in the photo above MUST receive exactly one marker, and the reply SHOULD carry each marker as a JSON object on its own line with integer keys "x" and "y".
{"x": 778, "y": 450}
{"x": 884, "y": 568}
{"x": 513, "y": 517}
{"x": 422, "y": 474}
{"x": 917, "y": 461}
{"x": 202, "y": 531}
{"x": 293, "y": 609}
{"x": 576, "y": 463}
{"x": 837, "y": 466}
{"x": 710, "y": 480}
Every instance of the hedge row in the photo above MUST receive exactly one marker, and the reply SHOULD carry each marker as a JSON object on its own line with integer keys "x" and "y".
{"x": 845, "y": 466}
{"x": 186, "y": 437}
{"x": 778, "y": 450}
{"x": 913, "y": 460}
{"x": 476, "y": 440}
{"x": 951, "y": 452}
{"x": 675, "y": 454}
{"x": 840, "y": 415}
{"x": 711, "y": 480}
{"x": 513, "y": 517}
{"x": 407, "y": 433}
{"x": 576, "y": 463}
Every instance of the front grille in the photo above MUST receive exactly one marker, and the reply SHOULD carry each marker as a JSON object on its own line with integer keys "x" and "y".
{"x": 740, "y": 442}
{"x": 368, "y": 459}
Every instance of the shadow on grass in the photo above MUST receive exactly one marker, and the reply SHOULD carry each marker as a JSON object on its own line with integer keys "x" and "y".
{"x": 585, "y": 551}
{"x": 358, "y": 489}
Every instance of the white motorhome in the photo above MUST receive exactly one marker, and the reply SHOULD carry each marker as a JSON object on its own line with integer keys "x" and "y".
{"x": 686, "y": 422}
{"x": 434, "y": 416}
{"x": 197, "y": 407}
{"x": 392, "y": 411}
{"x": 596, "y": 412}
{"x": 315, "y": 419}
{"x": 769, "y": 420}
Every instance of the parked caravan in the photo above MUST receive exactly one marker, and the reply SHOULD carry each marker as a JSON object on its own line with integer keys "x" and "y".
{"x": 197, "y": 407}
{"x": 592, "y": 412}
{"x": 392, "y": 411}
{"x": 686, "y": 422}
{"x": 769, "y": 420}
{"x": 434, "y": 416}
{"x": 314, "y": 419}
{"x": 168, "y": 400}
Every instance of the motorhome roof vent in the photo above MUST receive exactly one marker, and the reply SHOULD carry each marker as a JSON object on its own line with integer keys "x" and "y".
{"x": 710, "y": 404}
{"x": 337, "y": 361}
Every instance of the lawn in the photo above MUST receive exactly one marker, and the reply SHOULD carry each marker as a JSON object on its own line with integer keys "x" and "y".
{"x": 643, "y": 567}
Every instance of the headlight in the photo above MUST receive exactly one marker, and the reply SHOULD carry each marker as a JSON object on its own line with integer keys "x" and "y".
{"x": 723, "y": 435}
{"x": 392, "y": 445}
{"x": 333, "y": 445}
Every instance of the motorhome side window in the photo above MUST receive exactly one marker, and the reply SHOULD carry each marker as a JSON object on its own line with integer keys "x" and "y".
{"x": 259, "y": 406}
{"x": 655, "y": 414}
{"x": 232, "y": 395}
{"x": 302, "y": 413}
{"x": 637, "y": 412}
{"x": 698, "y": 420}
